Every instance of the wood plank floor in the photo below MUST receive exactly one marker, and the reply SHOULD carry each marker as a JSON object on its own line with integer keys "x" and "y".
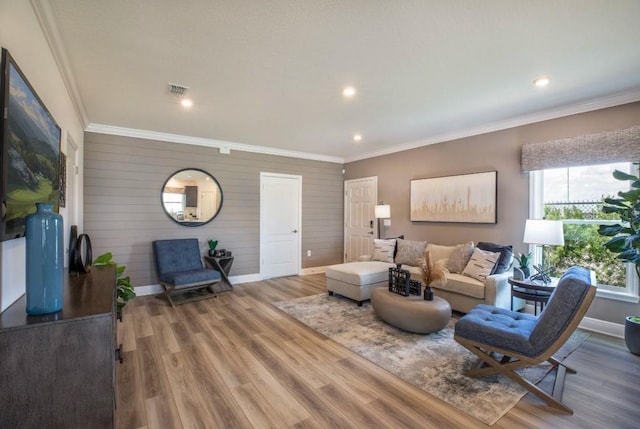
{"x": 238, "y": 362}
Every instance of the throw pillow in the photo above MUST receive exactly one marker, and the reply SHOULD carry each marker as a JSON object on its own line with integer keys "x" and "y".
{"x": 440, "y": 252}
{"x": 481, "y": 264}
{"x": 459, "y": 258}
{"x": 506, "y": 255}
{"x": 395, "y": 249}
{"x": 410, "y": 251}
{"x": 383, "y": 250}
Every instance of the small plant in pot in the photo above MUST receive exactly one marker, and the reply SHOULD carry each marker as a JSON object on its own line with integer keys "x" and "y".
{"x": 524, "y": 261}
{"x": 212, "y": 247}
{"x": 625, "y": 241}
{"x": 124, "y": 288}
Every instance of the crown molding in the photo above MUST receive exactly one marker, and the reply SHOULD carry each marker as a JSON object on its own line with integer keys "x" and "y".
{"x": 224, "y": 146}
{"x": 574, "y": 109}
{"x": 46, "y": 18}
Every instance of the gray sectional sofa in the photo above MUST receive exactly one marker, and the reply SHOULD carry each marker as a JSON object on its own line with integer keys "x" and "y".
{"x": 467, "y": 284}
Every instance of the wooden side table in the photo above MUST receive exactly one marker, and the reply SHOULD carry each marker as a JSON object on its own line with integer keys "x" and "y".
{"x": 532, "y": 290}
{"x": 222, "y": 265}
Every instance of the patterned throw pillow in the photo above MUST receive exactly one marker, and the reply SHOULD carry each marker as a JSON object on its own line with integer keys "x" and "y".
{"x": 481, "y": 264}
{"x": 506, "y": 255}
{"x": 409, "y": 251}
{"x": 383, "y": 250}
{"x": 459, "y": 258}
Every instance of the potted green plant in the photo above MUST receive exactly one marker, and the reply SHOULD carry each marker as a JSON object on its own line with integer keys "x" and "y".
{"x": 124, "y": 287}
{"x": 625, "y": 240}
{"x": 212, "y": 247}
{"x": 524, "y": 261}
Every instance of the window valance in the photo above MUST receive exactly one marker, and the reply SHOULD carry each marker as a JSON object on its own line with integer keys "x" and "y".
{"x": 591, "y": 149}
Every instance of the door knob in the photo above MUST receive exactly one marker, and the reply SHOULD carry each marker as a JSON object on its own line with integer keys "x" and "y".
{"x": 295, "y": 231}
{"x": 371, "y": 232}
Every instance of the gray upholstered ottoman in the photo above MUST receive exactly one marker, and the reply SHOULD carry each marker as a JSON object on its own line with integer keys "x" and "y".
{"x": 356, "y": 280}
{"x": 411, "y": 313}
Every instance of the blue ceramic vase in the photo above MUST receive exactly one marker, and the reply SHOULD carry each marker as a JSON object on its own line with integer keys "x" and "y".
{"x": 44, "y": 261}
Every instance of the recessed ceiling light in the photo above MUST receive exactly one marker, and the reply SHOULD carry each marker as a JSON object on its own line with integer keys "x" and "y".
{"x": 357, "y": 137}
{"x": 542, "y": 81}
{"x": 186, "y": 102}
{"x": 349, "y": 91}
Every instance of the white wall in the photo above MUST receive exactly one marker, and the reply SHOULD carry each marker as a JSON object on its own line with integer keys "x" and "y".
{"x": 21, "y": 35}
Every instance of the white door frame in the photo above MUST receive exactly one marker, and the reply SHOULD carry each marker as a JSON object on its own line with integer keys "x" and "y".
{"x": 299, "y": 226}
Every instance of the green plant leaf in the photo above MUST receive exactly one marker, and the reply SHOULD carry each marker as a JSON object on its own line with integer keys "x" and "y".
{"x": 621, "y": 175}
{"x": 615, "y": 202}
{"x": 104, "y": 259}
{"x": 609, "y": 230}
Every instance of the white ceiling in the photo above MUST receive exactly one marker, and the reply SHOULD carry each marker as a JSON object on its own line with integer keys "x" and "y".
{"x": 270, "y": 73}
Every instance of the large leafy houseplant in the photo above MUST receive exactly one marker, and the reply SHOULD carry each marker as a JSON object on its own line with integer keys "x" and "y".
{"x": 625, "y": 241}
{"x": 124, "y": 287}
{"x": 625, "y": 235}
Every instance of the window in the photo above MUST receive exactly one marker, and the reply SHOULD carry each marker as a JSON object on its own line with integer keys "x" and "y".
{"x": 575, "y": 196}
{"x": 173, "y": 203}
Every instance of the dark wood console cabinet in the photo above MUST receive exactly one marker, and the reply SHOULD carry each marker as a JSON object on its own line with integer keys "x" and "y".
{"x": 58, "y": 370}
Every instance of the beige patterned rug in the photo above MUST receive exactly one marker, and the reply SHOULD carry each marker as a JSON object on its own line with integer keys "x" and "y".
{"x": 435, "y": 363}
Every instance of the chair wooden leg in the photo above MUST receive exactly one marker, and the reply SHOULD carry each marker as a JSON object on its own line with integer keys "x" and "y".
{"x": 507, "y": 369}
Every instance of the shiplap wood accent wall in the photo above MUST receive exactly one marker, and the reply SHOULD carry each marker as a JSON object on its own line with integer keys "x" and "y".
{"x": 123, "y": 214}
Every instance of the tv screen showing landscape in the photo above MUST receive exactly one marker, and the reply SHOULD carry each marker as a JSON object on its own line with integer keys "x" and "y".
{"x": 30, "y": 151}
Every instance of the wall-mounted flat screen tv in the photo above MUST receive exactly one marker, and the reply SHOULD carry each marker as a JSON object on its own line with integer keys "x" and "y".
{"x": 30, "y": 151}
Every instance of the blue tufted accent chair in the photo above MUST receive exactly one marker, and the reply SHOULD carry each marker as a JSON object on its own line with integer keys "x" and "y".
{"x": 180, "y": 270}
{"x": 523, "y": 339}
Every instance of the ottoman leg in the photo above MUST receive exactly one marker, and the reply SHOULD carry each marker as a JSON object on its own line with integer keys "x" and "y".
{"x": 359, "y": 303}
{"x": 330, "y": 292}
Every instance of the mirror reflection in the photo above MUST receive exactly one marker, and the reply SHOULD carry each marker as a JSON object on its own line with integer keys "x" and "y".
{"x": 191, "y": 197}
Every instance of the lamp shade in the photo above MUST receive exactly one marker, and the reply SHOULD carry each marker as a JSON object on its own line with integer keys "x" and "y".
{"x": 383, "y": 211}
{"x": 543, "y": 232}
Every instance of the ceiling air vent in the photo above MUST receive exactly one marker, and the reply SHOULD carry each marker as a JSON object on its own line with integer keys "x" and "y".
{"x": 176, "y": 89}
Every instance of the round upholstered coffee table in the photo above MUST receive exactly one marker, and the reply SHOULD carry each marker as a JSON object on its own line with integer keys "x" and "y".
{"x": 411, "y": 313}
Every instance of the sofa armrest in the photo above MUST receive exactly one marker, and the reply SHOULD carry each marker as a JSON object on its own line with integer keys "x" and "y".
{"x": 498, "y": 291}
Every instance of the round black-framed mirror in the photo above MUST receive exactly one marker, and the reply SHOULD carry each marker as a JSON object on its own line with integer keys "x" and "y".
{"x": 191, "y": 197}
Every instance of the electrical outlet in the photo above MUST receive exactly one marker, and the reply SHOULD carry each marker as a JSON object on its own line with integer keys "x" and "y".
{"x": 308, "y": 252}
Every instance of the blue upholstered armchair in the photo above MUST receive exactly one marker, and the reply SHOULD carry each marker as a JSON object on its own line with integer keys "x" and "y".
{"x": 180, "y": 270}
{"x": 506, "y": 340}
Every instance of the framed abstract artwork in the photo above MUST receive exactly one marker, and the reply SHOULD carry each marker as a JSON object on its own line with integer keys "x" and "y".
{"x": 470, "y": 198}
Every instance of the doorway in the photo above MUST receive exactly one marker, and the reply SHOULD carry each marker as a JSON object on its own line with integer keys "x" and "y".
{"x": 360, "y": 226}
{"x": 280, "y": 235}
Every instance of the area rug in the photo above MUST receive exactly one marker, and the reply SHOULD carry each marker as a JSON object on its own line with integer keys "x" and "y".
{"x": 435, "y": 363}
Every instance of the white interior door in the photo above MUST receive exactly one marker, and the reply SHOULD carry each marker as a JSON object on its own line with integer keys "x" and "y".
{"x": 360, "y": 226}
{"x": 208, "y": 204}
{"x": 280, "y": 212}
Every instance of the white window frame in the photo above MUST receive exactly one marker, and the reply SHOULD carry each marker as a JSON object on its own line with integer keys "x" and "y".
{"x": 630, "y": 293}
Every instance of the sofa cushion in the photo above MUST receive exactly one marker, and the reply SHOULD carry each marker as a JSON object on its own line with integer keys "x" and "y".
{"x": 383, "y": 250}
{"x": 360, "y": 273}
{"x": 506, "y": 255}
{"x": 481, "y": 264}
{"x": 464, "y": 285}
{"x": 459, "y": 257}
{"x": 410, "y": 251}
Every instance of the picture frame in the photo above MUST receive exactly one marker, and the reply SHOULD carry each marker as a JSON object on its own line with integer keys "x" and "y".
{"x": 63, "y": 180}
{"x": 463, "y": 198}
{"x": 30, "y": 155}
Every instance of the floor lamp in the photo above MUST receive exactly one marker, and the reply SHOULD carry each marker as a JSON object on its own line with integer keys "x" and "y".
{"x": 542, "y": 232}
{"x": 382, "y": 211}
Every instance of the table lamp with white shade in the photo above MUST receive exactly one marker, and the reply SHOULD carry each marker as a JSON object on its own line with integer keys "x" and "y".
{"x": 382, "y": 211}
{"x": 543, "y": 232}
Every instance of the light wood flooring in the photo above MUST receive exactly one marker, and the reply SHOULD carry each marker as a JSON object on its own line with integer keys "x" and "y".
{"x": 238, "y": 362}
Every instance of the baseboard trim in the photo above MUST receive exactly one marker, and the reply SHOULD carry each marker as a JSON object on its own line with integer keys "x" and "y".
{"x": 602, "y": 327}
{"x": 313, "y": 270}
